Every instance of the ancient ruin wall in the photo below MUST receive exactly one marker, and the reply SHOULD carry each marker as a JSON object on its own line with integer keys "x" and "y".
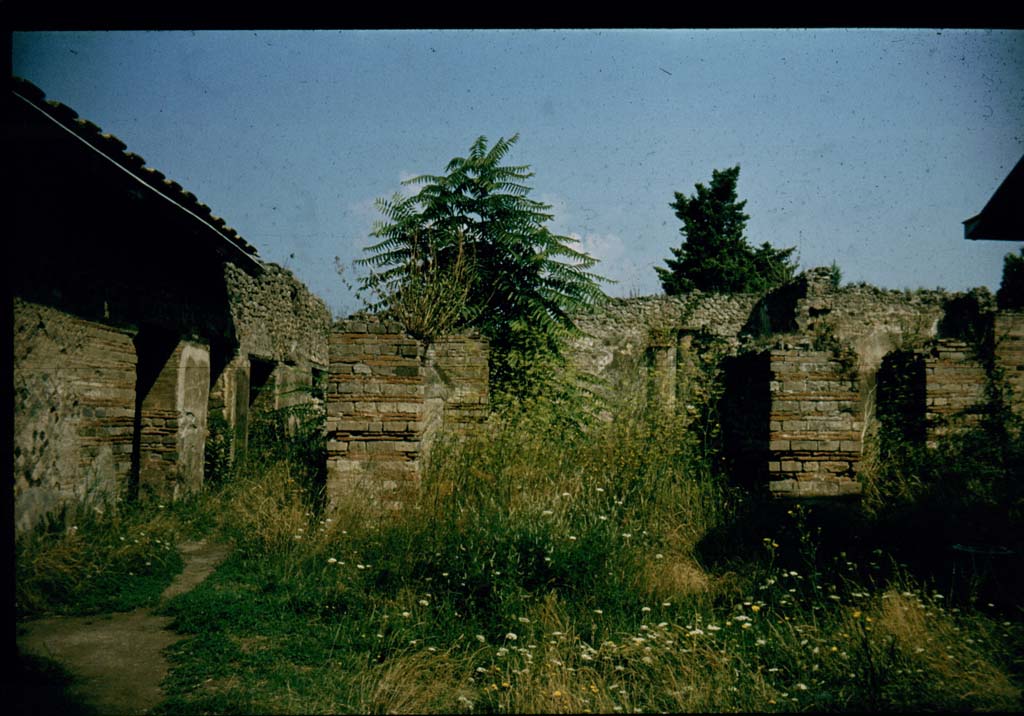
{"x": 375, "y": 406}
{"x": 281, "y": 329}
{"x": 806, "y": 435}
{"x": 276, "y": 317}
{"x": 457, "y": 379}
{"x": 388, "y": 396}
{"x": 172, "y": 425}
{"x": 815, "y": 428}
{"x": 1008, "y": 330}
{"x": 954, "y": 387}
{"x": 618, "y": 337}
{"x": 871, "y": 321}
{"x": 74, "y": 406}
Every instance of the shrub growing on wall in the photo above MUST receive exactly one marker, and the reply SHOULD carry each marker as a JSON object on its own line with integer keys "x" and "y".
{"x": 474, "y": 232}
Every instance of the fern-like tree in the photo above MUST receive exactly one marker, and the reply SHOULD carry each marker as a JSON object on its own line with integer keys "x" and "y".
{"x": 474, "y": 237}
{"x": 715, "y": 255}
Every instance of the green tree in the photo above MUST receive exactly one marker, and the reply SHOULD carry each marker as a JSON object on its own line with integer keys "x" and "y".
{"x": 1011, "y": 290}
{"x": 715, "y": 255}
{"x": 474, "y": 235}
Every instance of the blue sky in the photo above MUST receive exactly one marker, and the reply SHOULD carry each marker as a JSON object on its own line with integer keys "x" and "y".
{"x": 864, "y": 147}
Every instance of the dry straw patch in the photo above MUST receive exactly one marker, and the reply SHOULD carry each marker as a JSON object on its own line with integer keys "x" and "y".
{"x": 673, "y": 577}
{"x": 414, "y": 683}
{"x": 956, "y": 658}
{"x": 269, "y": 509}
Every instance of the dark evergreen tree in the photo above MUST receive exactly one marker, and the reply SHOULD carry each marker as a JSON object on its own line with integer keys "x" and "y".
{"x": 1011, "y": 290}
{"x": 715, "y": 255}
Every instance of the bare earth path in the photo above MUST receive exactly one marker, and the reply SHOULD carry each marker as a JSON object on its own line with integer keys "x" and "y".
{"x": 117, "y": 659}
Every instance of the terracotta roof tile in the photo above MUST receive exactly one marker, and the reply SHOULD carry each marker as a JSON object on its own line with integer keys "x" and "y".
{"x": 134, "y": 160}
{"x": 58, "y": 110}
{"x": 114, "y": 148}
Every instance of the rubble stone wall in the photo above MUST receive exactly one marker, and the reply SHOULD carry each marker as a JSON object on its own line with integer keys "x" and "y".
{"x": 276, "y": 317}
{"x": 823, "y": 346}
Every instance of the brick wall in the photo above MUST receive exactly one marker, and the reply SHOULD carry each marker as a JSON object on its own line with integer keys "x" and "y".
{"x": 954, "y": 387}
{"x": 388, "y": 395}
{"x": 1009, "y": 355}
{"x": 74, "y": 406}
{"x": 457, "y": 374}
{"x": 814, "y": 431}
{"x": 173, "y": 424}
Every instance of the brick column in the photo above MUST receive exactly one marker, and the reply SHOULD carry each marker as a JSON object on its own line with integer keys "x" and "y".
{"x": 814, "y": 437}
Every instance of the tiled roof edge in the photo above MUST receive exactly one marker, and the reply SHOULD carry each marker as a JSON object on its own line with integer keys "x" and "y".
{"x": 116, "y": 150}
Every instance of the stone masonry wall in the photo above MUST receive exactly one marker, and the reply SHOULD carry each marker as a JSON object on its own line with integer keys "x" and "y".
{"x": 872, "y": 322}
{"x": 276, "y": 317}
{"x": 388, "y": 395}
{"x": 1008, "y": 331}
{"x": 810, "y": 442}
{"x": 457, "y": 375}
{"x": 954, "y": 387}
{"x": 74, "y": 406}
{"x": 815, "y": 429}
{"x": 617, "y": 338}
{"x": 173, "y": 425}
{"x": 278, "y": 321}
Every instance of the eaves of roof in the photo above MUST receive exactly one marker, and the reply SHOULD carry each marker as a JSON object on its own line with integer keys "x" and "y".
{"x": 115, "y": 151}
{"x": 1002, "y": 219}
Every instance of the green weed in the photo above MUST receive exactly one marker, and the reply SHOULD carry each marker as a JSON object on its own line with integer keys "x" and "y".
{"x": 567, "y": 570}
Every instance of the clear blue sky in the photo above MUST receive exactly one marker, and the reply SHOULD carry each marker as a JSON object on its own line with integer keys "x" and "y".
{"x": 866, "y": 147}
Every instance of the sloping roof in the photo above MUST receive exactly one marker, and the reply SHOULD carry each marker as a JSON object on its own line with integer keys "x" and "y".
{"x": 1002, "y": 219}
{"x": 115, "y": 151}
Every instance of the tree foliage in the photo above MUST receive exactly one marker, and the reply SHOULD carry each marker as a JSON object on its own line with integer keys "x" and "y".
{"x": 715, "y": 255}
{"x": 474, "y": 233}
{"x": 1011, "y": 290}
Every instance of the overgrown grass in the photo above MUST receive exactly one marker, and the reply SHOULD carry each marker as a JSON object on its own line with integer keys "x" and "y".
{"x": 560, "y": 571}
{"x": 98, "y": 558}
{"x": 548, "y": 569}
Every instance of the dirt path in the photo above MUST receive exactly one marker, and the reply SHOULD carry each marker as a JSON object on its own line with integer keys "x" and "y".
{"x": 117, "y": 659}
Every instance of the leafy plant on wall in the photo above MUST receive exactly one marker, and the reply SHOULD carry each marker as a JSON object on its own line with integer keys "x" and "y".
{"x": 472, "y": 242}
